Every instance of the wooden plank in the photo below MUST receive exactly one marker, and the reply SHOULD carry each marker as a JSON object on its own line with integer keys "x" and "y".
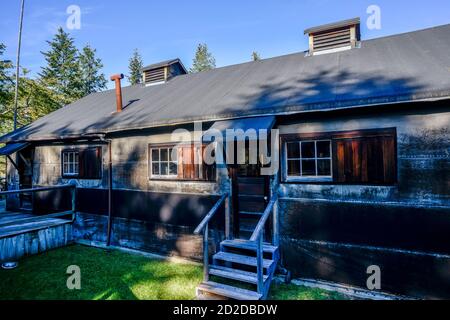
{"x": 228, "y": 291}
{"x": 235, "y": 274}
{"x": 241, "y": 259}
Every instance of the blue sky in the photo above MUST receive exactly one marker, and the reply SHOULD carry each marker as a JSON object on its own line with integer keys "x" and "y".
{"x": 232, "y": 29}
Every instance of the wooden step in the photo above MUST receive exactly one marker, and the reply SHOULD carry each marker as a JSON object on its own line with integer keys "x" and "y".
{"x": 235, "y": 274}
{"x": 250, "y": 214}
{"x": 247, "y": 245}
{"x": 241, "y": 259}
{"x": 227, "y": 291}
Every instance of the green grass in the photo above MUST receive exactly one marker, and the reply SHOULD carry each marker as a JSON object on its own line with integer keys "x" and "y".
{"x": 113, "y": 274}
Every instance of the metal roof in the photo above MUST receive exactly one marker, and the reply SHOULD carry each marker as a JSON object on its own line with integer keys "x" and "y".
{"x": 334, "y": 25}
{"x": 413, "y": 66}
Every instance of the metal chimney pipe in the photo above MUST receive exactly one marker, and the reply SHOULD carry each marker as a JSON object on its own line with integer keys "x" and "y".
{"x": 116, "y": 78}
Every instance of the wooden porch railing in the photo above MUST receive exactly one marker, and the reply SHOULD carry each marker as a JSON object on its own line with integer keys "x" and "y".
{"x": 204, "y": 226}
{"x": 40, "y": 189}
{"x": 257, "y": 237}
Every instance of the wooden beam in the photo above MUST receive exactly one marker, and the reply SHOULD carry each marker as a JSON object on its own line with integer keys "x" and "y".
{"x": 13, "y": 163}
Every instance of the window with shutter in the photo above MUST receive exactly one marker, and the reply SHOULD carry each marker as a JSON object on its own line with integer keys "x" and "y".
{"x": 85, "y": 163}
{"x": 357, "y": 157}
{"x": 186, "y": 163}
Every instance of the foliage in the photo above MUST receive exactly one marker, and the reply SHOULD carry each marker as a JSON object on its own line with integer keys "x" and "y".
{"x": 203, "y": 60}
{"x": 62, "y": 73}
{"x": 255, "y": 56}
{"x": 112, "y": 274}
{"x": 135, "y": 66}
{"x": 90, "y": 67}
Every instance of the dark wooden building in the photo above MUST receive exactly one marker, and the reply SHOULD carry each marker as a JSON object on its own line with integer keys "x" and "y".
{"x": 364, "y": 158}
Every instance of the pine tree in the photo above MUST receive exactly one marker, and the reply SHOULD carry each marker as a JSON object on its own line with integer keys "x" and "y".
{"x": 135, "y": 67}
{"x": 6, "y": 81}
{"x": 203, "y": 60}
{"x": 62, "y": 73}
{"x": 256, "y": 56}
{"x": 92, "y": 78}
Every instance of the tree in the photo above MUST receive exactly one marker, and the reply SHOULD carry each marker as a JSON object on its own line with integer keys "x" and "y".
{"x": 6, "y": 81}
{"x": 91, "y": 77}
{"x": 135, "y": 67}
{"x": 256, "y": 56}
{"x": 203, "y": 60}
{"x": 62, "y": 73}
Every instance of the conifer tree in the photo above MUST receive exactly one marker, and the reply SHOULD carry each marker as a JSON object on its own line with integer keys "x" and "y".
{"x": 135, "y": 67}
{"x": 90, "y": 67}
{"x": 203, "y": 60}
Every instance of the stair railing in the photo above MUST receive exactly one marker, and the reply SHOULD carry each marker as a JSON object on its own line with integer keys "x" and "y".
{"x": 257, "y": 237}
{"x": 204, "y": 226}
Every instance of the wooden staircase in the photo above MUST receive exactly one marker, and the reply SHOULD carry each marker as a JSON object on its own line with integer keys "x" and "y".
{"x": 241, "y": 269}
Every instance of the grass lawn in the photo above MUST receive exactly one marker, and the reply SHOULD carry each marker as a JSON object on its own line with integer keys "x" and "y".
{"x": 113, "y": 274}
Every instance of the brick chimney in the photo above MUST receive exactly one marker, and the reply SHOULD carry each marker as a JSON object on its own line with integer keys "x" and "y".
{"x": 116, "y": 78}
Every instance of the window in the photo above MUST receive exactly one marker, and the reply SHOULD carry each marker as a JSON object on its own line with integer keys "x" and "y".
{"x": 185, "y": 162}
{"x": 85, "y": 163}
{"x": 70, "y": 163}
{"x": 164, "y": 162}
{"x": 309, "y": 159}
{"x": 356, "y": 157}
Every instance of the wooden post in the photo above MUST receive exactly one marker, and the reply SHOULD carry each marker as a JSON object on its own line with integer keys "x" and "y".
{"x": 227, "y": 217}
{"x": 259, "y": 264}
{"x": 276, "y": 226}
{"x": 205, "y": 254}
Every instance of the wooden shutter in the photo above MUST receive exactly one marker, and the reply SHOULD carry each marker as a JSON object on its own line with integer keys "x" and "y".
{"x": 90, "y": 161}
{"x": 188, "y": 170}
{"x": 365, "y": 159}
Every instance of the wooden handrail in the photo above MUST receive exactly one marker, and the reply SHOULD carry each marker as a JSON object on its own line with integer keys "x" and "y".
{"x": 32, "y": 190}
{"x": 210, "y": 214}
{"x": 262, "y": 221}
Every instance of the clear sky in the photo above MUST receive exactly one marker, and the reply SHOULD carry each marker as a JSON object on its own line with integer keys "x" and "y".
{"x": 232, "y": 28}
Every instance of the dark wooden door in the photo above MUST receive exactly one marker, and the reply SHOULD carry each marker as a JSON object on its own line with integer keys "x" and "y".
{"x": 250, "y": 198}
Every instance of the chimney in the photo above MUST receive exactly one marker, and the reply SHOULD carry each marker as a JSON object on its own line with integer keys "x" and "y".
{"x": 334, "y": 37}
{"x": 116, "y": 78}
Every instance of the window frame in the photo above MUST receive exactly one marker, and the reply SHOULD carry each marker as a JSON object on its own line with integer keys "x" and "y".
{"x": 150, "y": 162}
{"x": 68, "y": 152}
{"x": 308, "y": 178}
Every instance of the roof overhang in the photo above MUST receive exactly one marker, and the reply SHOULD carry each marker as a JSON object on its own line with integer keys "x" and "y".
{"x": 12, "y": 148}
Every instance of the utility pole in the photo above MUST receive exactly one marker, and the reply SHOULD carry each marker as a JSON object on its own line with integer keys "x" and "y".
{"x": 16, "y": 93}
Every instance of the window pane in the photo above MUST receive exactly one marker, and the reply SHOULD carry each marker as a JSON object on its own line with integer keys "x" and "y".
{"x": 293, "y": 150}
{"x": 155, "y": 168}
{"x": 164, "y": 168}
{"x": 324, "y": 167}
{"x": 323, "y": 149}
{"x": 308, "y": 150}
{"x": 173, "y": 168}
{"x": 155, "y": 154}
{"x": 164, "y": 155}
{"x": 65, "y": 168}
{"x": 293, "y": 167}
{"x": 308, "y": 167}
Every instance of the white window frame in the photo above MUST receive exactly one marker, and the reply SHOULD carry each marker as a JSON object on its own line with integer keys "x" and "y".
{"x": 162, "y": 176}
{"x": 73, "y": 165}
{"x": 308, "y": 178}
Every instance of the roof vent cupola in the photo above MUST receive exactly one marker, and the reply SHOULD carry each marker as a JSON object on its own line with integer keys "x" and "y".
{"x": 162, "y": 72}
{"x": 334, "y": 37}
